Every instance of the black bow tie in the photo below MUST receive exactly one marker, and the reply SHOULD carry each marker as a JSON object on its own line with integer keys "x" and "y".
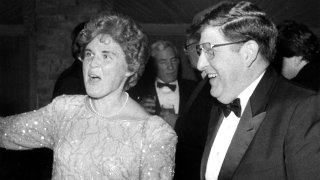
{"x": 171, "y": 86}
{"x": 234, "y": 106}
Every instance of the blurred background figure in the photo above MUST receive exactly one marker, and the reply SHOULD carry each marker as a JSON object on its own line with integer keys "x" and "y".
{"x": 192, "y": 124}
{"x": 71, "y": 80}
{"x": 161, "y": 91}
{"x": 192, "y": 39}
{"x": 298, "y": 54}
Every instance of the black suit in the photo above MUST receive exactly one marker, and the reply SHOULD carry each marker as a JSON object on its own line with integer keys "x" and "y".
{"x": 309, "y": 76}
{"x": 278, "y": 136}
{"x": 191, "y": 128}
{"x": 70, "y": 81}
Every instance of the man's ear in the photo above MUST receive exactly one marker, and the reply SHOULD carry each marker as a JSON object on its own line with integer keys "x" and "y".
{"x": 249, "y": 52}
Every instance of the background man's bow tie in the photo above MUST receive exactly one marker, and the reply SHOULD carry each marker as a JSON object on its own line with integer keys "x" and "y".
{"x": 234, "y": 106}
{"x": 171, "y": 86}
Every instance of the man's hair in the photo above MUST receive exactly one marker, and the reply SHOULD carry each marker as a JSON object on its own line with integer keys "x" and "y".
{"x": 75, "y": 47}
{"x": 161, "y": 45}
{"x": 244, "y": 21}
{"x": 192, "y": 32}
{"x": 296, "y": 39}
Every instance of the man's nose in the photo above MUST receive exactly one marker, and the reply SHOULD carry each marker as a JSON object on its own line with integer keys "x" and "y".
{"x": 170, "y": 65}
{"x": 202, "y": 62}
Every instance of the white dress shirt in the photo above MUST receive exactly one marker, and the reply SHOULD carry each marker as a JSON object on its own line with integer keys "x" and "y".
{"x": 225, "y": 134}
{"x": 168, "y": 98}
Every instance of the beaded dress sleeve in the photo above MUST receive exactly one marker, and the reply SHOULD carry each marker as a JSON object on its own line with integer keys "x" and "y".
{"x": 33, "y": 129}
{"x": 87, "y": 146}
{"x": 158, "y": 150}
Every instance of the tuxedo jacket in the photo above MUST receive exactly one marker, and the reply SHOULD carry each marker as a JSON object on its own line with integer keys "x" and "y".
{"x": 309, "y": 76}
{"x": 191, "y": 128}
{"x": 145, "y": 88}
{"x": 278, "y": 136}
{"x": 70, "y": 81}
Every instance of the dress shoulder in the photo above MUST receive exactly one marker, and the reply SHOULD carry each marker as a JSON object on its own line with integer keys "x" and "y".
{"x": 157, "y": 127}
{"x": 69, "y": 99}
{"x": 159, "y": 147}
{"x": 68, "y": 104}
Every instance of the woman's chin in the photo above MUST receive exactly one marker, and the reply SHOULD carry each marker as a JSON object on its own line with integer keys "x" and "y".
{"x": 93, "y": 94}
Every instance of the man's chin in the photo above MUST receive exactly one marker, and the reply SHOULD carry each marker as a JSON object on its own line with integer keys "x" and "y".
{"x": 169, "y": 80}
{"x": 215, "y": 94}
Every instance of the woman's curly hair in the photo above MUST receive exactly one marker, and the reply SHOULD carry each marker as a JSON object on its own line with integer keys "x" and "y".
{"x": 124, "y": 31}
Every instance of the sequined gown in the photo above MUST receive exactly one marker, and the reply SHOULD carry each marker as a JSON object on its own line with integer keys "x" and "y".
{"x": 87, "y": 146}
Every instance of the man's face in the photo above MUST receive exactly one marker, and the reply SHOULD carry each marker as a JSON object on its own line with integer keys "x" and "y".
{"x": 167, "y": 64}
{"x": 290, "y": 66}
{"x": 191, "y": 52}
{"x": 223, "y": 65}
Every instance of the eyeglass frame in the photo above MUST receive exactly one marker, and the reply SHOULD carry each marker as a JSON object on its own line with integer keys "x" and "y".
{"x": 185, "y": 48}
{"x": 199, "y": 49}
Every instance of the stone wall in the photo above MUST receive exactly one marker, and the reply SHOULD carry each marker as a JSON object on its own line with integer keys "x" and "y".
{"x": 55, "y": 20}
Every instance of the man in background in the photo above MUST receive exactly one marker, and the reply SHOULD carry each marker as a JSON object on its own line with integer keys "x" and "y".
{"x": 192, "y": 125}
{"x": 70, "y": 80}
{"x": 161, "y": 91}
{"x": 298, "y": 51}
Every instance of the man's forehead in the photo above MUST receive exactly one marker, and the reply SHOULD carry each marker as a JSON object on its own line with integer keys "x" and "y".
{"x": 166, "y": 50}
{"x": 211, "y": 34}
{"x": 166, "y": 53}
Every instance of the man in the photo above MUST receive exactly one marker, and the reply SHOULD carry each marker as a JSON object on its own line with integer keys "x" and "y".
{"x": 192, "y": 125}
{"x": 298, "y": 50}
{"x": 70, "y": 80}
{"x": 164, "y": 93}
{"x": 190, "y": 49}
{"x": 274, "y": 131}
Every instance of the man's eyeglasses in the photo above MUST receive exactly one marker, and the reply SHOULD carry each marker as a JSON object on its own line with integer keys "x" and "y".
{"x": 208, "y": 47}
{"x": 185, "y": 48}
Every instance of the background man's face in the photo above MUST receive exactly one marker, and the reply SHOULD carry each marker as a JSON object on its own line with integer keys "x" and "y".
{"x": 191, "y": 53}
{"x": 167, "y": 65}
{"x": 290, "y": 66}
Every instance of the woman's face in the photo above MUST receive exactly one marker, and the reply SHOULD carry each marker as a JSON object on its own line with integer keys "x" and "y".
{"x": 105, "y": 69}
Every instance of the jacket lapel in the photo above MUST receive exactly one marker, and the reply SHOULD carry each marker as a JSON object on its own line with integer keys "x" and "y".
{"x": 242, "y": 138}
{"x": 152, "y": 91}
{"x": 251, "y": 119}
{"x": 182, "y": 97}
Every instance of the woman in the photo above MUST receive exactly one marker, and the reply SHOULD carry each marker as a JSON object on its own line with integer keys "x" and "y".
{"x": 105, "y": 134}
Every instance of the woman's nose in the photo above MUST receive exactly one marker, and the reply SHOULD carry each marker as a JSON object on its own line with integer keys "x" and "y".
{"x": 95, "y": 61}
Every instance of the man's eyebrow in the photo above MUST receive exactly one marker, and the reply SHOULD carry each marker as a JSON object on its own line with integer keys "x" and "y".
{"x": 162, "y": 60}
